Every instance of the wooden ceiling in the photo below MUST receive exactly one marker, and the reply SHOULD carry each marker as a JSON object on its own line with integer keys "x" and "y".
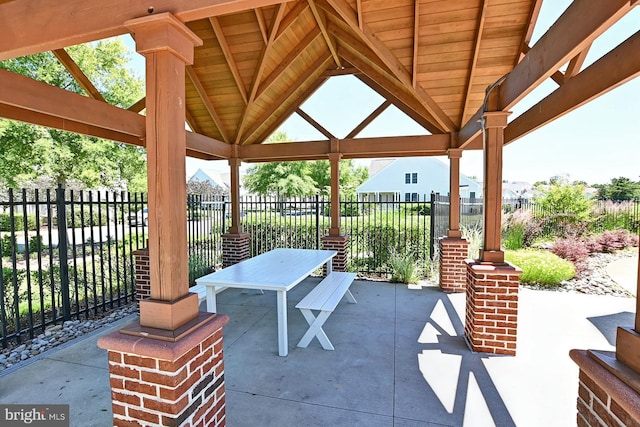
{"x": 261, "y": 59}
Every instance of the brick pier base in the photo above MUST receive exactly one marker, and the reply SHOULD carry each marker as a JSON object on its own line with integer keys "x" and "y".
{"x": 491, "y": 319}
{"x": 337, "y": 243}
{"x": 453, "y": 270}
{"x": 164, "y": 383}
{"x": 143, "y": 282}
{"x": 604, "y": 399}
{"x": 235, "y": 248}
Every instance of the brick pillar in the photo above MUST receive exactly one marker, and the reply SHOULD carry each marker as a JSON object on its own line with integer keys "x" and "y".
{"x": 235, "y": 248}
{"x": 491, "y": 319}
{"x": 603, "y": 398}
{"x": 453, "y": 270}
{"x": 156, "y": 382}
{"x": 143, "y": 281}
{"x": 337, "y": 243}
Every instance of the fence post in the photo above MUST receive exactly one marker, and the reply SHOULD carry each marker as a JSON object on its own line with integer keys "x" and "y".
{"x": 317, "y": 221}
{"x": 432, "y": 225}
{"x": 62, "y": 252}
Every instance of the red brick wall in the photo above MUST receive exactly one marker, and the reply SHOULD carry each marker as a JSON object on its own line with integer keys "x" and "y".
{"x": 453, "y": 270}
{"x": 603, "y": 399}
{"x": 337, "y": 243}
{"x": 235, "y": 248}
{"x": 143, "y": 282}
{"x": 491, "y": 319}
{"x": 147, "y": 388}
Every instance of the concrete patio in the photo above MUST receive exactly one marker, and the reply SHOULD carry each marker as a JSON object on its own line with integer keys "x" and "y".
{"x": 399, "y": 360}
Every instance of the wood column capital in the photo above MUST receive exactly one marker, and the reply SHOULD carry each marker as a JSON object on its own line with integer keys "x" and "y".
{"x": 454, "y": 153}
{"x": 495, "y": 119}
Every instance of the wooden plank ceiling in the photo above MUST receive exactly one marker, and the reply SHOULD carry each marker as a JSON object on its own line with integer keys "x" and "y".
{"x": 432, "y": 58}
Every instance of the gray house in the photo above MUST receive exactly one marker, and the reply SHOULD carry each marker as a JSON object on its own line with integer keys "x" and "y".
{"x": 411, "y": 179}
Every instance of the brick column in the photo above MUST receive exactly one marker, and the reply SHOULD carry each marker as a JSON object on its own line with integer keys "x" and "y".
{"x": 235, "y": 248}
{"x": 453, "y": 270}
{"x": 603, "y": 398}
{"x": 337, "y": 243}
{"x": 491, "y": 318}
{"x": 157, "y": 382}
{"x": 143, "y": 281}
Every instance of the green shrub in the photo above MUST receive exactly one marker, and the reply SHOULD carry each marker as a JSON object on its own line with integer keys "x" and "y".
{"x": 404, "y": 268}
{"x": 541, "y": 267}
{"x": 18, "y": 219}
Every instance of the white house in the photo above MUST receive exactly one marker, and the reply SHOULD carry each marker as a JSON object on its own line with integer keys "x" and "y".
{"x": 411, "y": 179}
{"x": 217, "y": 178}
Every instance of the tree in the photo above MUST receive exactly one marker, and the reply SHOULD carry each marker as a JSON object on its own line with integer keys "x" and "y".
{"x": 301, "y": 178}
{"x": 30, "y": 152}
{"x": 619, "y": 189}
{"x": 565, "y": 200}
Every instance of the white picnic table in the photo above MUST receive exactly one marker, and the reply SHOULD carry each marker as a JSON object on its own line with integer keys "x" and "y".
{"x": 278, "y": 270}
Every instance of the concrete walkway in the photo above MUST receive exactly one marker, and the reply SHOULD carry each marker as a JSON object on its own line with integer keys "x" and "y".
{"x": 624, "y": 272}
{"x": 399, "y": 360}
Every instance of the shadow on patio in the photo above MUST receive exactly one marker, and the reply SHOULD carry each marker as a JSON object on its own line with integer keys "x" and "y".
{"x": 400, "y": 360}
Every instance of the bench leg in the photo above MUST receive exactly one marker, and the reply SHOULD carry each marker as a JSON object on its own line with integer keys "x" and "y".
{"x": 211, "y": 299}
{"x": 315, "y": 329}
{"x": 350, "y": 297}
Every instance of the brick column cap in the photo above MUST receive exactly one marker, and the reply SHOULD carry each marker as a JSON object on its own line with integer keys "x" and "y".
{"x": 236, "y": 235}
{"x": 341, "y": 237}
{"x": 141, "y": 252}
{"x": 447, "y": 239}
{"x": 163, "y": 350}
{"x": 620, "y": 392}
{"x": 492, "y": 268}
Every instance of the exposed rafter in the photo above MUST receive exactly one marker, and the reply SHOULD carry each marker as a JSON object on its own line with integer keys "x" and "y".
{"x": 202, "y": 93}
{"x": 534, "y": 12}
{"x": 321, "y": 21}
{"x": 399, "y": 71}
{"x": 416, "y": 35}
{"x": 71, "y": 22}
{"x": 226, "y": 51}
{"x": 576, "y": 64}
{"x": 78, "y": 74}
{"x": 263, "y": 25}
{"x": 257, "y": 77}
{"x": 296, "y": 12}
{"x": 612, "y": 70}
{"x": 482, "y": 13}
{"x": 139, "y": 105}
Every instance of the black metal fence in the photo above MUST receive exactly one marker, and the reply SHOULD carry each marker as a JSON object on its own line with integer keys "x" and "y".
{"x": 69, "y": 255}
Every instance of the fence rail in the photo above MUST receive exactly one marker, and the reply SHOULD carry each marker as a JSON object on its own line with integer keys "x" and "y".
{"x": 69, "y": 255}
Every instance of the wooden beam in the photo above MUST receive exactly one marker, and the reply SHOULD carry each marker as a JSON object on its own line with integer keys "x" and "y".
{"x": 350, "y": 148}
{"x": 315, "y": 124}
{"x": 47, "y": 120}
{"x": 359, "y": 14}
{"x": 534, "y": 12}
{"x": 395, "y": 66}
{"x": 311, "y": 89}
{"x": 321, "y": 21}
{"x": 346, "y": 71}
{"x": 257, "y": 76}
{"x": 573, "y": 32}
{"x": 474, "y": 60}
{"x": 615, "y": 68}
{"x": 208, "y": 147}
{"x": 371, "y": 117}
{"x": 34, "y": 26}
{"x": 287, "y": 20}
{"x": 78, "y": 74}
{"x": 222, "y": 41}
{"x": 191, "y": 121}
{"x": 287, "y": 60}
{"x": 576, "y": 64}
{"x": 301, "y": 81}
{"x": 263, "y": 25}
{"x": 202, "y": 93}
{"x": 416, "y": 35}
{"x": 138, "y": 106}
{"x": 28, "y": 94}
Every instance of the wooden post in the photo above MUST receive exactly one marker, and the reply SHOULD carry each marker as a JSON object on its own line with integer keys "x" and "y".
{"x": 167, "y": 45}
{"x": 334, "y": 160}
{"x": 454, "y": 193}
{"x": 234, "y": 165}
{"x": 494, "y": 124}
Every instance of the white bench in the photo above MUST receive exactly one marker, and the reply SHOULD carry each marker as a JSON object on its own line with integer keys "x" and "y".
{"x": 201, "y": 290}
{"x": 324, "y": 298}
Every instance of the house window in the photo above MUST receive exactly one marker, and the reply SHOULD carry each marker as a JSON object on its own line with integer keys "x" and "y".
{"x": 407, "y": 197}
{"x": 407, "y": 178}
{"x": 414, "y": 178}
{"x": 472, "y": 195}
{"x": 414, "y": 197}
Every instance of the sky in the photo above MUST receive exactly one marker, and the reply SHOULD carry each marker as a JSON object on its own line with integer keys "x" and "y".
{"x": 595, "y": 143}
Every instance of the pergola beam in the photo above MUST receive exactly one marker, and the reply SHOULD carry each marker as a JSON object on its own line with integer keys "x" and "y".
{"x": 617, "y": 67}
{"x": 226, "y": 51}
{"x": 474, "y": 60}
{"x": 75, "y": 71}
{"x": 40, "y": 25}
{"x": 202, "y": 93}
{"x": 317, "y": 126}
{"x": 371, "y": 117}
{"x": 321, "y": 21}
{"x": 573, "y": 32}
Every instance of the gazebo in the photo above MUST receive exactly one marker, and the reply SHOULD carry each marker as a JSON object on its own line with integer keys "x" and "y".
{"x": 235, "y": 70}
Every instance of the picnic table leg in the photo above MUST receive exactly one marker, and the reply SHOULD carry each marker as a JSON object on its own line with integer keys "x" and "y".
{"x": 329, "y": 265}
{"x": 211, "y": 299}
{"x": 283, "y": 342}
